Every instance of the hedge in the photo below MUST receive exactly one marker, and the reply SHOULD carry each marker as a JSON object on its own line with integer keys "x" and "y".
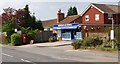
{"x": 16, "y": 39}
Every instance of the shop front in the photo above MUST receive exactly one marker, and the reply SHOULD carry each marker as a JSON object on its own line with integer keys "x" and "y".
{"x": 68, "y": 31}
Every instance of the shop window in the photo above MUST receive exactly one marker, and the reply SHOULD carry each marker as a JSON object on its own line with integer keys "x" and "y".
{"x": 97, "y": 17}
{"x": 87, "y": 18}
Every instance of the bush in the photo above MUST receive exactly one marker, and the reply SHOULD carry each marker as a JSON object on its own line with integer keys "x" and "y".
{"x": 92, "y": 41}
{"x": 16, "y": 39}
{"x": 87, "y": 41}
{"x": 109, "y": 44}
{"x": 76, "y": 44}
{"x": 103, "y": 48}
{"x": 29, "y": 33}
{"x": 51, "y": 39}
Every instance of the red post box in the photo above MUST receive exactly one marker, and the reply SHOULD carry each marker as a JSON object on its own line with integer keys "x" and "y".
{"x": 24, "y": 38}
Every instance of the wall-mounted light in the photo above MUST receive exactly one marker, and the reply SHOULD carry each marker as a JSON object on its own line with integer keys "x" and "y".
{"x": 15, "y": 29}
{"x": 85, "y": 27}
{"x": 98, "y": 28}
{"x": 92, "y": 28}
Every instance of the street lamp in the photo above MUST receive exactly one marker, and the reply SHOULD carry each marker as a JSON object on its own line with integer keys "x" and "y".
{"x": 112, "y": 31}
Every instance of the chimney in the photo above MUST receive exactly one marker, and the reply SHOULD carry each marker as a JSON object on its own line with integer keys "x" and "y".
{"x": 60, "y": 16}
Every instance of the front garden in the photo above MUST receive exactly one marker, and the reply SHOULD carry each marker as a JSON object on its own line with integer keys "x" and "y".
{"x": 95, "y": 43}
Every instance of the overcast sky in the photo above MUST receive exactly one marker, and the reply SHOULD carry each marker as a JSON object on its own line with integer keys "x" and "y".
{"x": 45, "y": 10}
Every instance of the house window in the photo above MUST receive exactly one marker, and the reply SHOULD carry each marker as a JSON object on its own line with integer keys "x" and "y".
{"x": 87, "y": 18}
{"x": 97, "y": 17}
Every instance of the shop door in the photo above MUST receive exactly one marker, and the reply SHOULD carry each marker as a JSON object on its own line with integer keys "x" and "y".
{"x": 78, "y": 35}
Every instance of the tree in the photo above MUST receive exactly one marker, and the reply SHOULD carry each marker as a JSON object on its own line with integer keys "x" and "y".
{"x": 22, "y": 18}
{"x": 72, "y": 11}
{"x": 8, "y": 14}
{"x": 69, "y": 13}
{"x": 26, "y": 17}
{"x": 9, "y": 28}
{"x": 38, "y": 25}
{"x": 30, "y": 21}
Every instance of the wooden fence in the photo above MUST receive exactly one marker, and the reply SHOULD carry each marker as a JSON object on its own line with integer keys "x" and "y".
{"x": 42, "y": 36}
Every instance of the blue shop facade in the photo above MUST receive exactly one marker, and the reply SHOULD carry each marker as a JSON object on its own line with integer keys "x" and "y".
{"x": 68, "y": 31}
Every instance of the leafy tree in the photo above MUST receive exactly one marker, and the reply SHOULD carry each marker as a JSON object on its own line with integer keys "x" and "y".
{"x": 9, "y": 28}
{"x": 30, "y": 21}
{"x": 8, "y": 14}
{"x": 38, "y": 25}
{"x": 72, "y": 11}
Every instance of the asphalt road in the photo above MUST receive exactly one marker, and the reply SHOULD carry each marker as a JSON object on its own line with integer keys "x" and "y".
{"x": 50, "y": 54}
{"x": 13, "y": 55}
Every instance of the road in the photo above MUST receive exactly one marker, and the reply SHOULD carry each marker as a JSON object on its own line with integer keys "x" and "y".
{"x": 50, "y": 54}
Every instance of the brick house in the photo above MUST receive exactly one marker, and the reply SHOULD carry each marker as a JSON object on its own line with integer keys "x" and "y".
{"x": 98, "y": 16}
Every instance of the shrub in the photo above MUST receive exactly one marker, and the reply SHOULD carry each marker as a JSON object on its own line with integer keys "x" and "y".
{"x": 16, "y": 39}
{"x": 50, "y": 39}
{"x": 109, "y": 44}
{"x": 103, "y": 48}
{"x": 29, "y": 33}
{"x": 87, "y": 41}
{"x": 76, "y": 44}
{"x": 116, "y": 43}
{"x": 92, "y": 41}
{"x": 97, "y": 40}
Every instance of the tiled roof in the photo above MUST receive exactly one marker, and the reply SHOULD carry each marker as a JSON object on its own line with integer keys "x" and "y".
{"x": 49, "y": 23}
{"x": 69, "y": 19}
{"x": 108, "y": 8}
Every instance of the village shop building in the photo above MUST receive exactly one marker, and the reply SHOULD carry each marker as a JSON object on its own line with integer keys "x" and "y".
{"x": 68, "y": 31}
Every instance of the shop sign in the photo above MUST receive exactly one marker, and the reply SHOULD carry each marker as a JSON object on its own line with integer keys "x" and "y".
{"x": 66, "y": 26}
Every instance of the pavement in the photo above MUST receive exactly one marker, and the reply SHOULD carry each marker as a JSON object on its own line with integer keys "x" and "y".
{"x": 48, "y": 44}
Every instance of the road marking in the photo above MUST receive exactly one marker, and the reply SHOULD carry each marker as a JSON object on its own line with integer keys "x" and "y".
{"x": 71, "y": 50}
{"x": 25, "y": 60}
{"x": 7, "y": 55}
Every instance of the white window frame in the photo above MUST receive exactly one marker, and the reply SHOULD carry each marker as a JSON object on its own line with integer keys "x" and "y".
{"x": 97, "y": 17}
{"x": 86, "y": 17}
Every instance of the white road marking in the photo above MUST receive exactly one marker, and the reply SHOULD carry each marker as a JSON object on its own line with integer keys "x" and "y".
{"x": 25, "y": 60}
{"x": 7, "y": 55}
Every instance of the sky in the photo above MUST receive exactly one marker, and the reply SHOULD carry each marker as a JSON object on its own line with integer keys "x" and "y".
{"x": 47, "y": 9}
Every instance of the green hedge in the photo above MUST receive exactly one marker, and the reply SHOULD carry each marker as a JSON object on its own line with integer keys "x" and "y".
{"x": 16, "y": 39}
